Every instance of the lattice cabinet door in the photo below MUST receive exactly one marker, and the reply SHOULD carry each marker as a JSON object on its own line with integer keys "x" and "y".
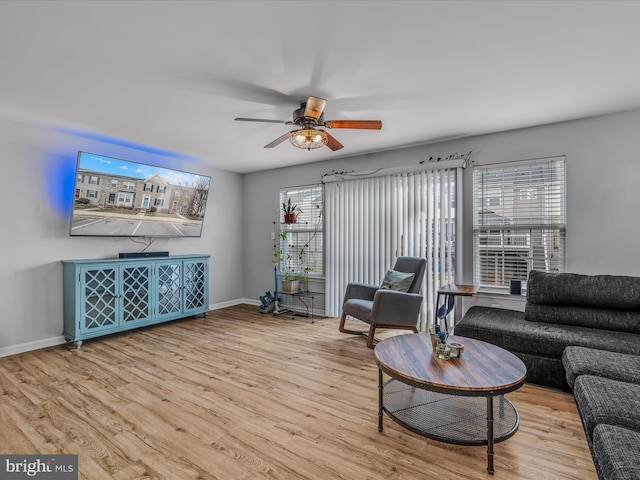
{"x": 99, "y": 300}
{"x": 104, "y": 296}
{"x": 136, "y": 293}
{"x": 196, "y": 292}
{"x": 168, "y": 289}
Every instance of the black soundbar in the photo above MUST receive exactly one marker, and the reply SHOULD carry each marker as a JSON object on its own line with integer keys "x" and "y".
{"x": 142, "y": 254}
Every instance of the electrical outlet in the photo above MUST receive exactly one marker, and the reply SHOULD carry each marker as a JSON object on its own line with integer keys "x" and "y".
{"x": 496, "y": 305}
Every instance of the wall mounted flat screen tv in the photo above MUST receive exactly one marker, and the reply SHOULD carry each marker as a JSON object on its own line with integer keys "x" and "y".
{"x": 121, "y": 198}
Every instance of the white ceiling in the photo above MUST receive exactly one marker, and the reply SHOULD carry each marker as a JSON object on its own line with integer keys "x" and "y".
{"x": 174, "y": 75}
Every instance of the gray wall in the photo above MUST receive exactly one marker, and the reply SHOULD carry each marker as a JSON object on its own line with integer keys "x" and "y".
{"x": 603, "y": 178}
{"x": 603, "y": 191}
{"x": 38, "y": 166}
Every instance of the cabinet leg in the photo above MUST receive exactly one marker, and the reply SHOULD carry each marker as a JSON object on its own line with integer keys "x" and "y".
{"x": 204, "y": 314}
{"x": 78, "y": 343}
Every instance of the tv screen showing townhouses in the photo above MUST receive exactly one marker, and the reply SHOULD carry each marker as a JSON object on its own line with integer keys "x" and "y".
{"x": 121, "y": 198}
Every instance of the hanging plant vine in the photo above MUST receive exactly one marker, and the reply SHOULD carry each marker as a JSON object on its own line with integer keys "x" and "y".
{"x": 467, "y": 161}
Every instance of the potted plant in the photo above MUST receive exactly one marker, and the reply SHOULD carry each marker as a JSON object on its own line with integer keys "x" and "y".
{"x": 290, "y": 211}
{"x": 290, "y": 283}
{"x": 288, "y": 275}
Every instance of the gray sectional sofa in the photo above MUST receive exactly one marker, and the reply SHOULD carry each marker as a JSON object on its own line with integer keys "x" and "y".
{"x": 580, "y": 333}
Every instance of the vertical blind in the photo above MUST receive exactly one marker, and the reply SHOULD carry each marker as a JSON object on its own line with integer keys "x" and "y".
{"x": 519, "y": 220}
{"x": 372, "y": 221}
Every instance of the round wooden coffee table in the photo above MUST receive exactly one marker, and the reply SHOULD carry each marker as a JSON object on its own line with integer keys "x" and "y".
{"x": 444, "y": 399}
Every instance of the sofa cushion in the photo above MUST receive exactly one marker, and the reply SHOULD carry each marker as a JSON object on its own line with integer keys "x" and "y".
{"x": 606, "y": 401}
{"x": 399, "y": 281}
{"x": 358, "y": 308}
{"x": 594, "y": 301}
{"x": 508, "y": 329}
{"x": 616, "y": 292}
{"x": 544, "y": 370}
{"x": 603, "y": 318}
{"x": 539, "y": 345}
{"x": 588, "y": 361}
{"x": 616, "y": 452}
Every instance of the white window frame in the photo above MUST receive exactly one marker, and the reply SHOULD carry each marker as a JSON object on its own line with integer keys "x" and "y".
{"x": 525, "y": 232}
{"x": 306, "y": 236}
{"x": 125, "y": 199}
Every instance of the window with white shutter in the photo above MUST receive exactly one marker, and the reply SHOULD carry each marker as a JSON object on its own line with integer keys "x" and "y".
{"x": 519, "y": 220}
{"x": 301, "y": 242}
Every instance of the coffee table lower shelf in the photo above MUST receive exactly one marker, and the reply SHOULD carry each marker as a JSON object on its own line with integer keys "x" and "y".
{"x": 456, "y": 419}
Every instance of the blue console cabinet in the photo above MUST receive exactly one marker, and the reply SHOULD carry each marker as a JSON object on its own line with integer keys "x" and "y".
{"x": 104, "y": 296}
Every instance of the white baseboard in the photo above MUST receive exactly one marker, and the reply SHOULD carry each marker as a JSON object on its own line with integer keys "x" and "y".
{"x": 250, "y": 301}
{"x": 59, "y": 340}
{"x": 28, "y": 346}
{"x": 231, "y": 303}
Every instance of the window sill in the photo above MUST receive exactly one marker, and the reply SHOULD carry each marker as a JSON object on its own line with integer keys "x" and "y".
{"x": 501, "y": 294}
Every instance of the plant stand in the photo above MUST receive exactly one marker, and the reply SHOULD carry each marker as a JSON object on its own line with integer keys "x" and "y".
{"x": 306, "y": 304}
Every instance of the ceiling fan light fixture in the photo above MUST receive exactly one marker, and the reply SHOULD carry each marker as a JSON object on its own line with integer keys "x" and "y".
{"x": 308, "y": 139}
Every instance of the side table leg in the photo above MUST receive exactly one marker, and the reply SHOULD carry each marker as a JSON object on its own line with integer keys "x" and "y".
{"x": 380, "y": 387}
{"x": 490, "y": 434}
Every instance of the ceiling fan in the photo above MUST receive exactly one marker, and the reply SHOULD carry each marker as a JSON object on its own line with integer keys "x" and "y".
{"x": 309, "y": 117}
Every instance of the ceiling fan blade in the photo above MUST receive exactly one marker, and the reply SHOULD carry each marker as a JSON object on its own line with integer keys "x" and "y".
{"x": 229, "y": 87}
{"x": 281, "y": 139}
{"x": 239, "y": 119}
{"x": 332, "y": 143}
{"x": 315, "y": 107}
{"x": 362, "y": 124}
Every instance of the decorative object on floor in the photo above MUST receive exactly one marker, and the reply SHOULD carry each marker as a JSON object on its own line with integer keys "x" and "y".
{"x": 385, "y": 308}
{"x": 267, "y": 302}
{"x": 309, "y": 117}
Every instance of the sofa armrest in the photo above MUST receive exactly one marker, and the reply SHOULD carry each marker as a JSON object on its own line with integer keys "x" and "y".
{"x": 360, "y": 291}
{"x": 391, "y": 307}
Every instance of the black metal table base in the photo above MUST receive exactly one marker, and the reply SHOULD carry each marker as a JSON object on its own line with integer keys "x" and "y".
{"x": 456, "y": 419}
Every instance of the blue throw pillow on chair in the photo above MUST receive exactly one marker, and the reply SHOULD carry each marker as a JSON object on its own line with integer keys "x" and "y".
{"x": 399, "y": 281}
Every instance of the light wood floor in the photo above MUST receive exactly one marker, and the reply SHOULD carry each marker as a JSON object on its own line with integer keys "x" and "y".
{"x": 240, "y": 395}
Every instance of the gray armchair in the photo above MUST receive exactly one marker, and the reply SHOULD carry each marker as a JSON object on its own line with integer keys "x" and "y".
{"x": 384, "y": 308}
